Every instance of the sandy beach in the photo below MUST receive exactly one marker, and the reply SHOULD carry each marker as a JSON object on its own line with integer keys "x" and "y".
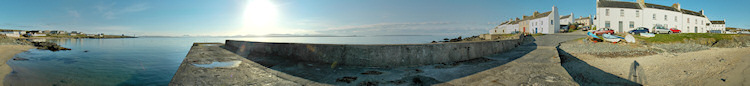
{"x": 715, "y": 66}
{"x": 6, "y": 53}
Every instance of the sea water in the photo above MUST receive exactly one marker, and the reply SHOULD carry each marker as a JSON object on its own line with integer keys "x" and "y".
{"x": 139, "y": 61}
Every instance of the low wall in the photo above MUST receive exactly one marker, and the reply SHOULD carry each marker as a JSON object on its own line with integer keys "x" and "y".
{"x": 371, "y": 55}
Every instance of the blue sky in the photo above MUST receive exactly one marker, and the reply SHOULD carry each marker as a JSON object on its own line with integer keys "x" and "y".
{"x": 331, "y": 17}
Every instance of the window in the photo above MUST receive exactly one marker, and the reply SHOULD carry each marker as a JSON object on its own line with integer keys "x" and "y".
{"x": 654, "y": 16}
{"x": 665, "y": 17}
{"x": 637, "y": 14}
{"x": 632, "y": 25}
{"x": 622, "y": 13}
{"x": 688, "y": 20}
{"x": 607, "y": 13}
{"x": 606, "y": 24}
{"x": 551, "y": 22}
{"x": 675, "y": 18}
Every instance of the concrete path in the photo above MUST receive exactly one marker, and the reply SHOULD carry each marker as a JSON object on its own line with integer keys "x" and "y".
{"x": 539, "y": 67}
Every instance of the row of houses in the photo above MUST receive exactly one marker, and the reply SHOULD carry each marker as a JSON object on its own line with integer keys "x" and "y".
{"x": 37, "y": 33}
{"x": 545, "y": 23}
{"x": 620, "y": 16}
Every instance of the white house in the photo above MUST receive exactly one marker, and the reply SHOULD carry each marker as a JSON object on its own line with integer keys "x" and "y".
{"x": 622, "y": 16}
{"x": 11, "y": 33}
{"x": 567, "y": 19}
{"x": 718, "y": 25}
{"x": 545, "y": 23}
{"x": 585, "y": 21}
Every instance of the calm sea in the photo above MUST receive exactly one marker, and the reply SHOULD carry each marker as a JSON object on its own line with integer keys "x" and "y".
{"x": 139, "y": 61}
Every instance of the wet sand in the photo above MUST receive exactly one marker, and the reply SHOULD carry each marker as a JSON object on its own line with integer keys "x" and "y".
{"x": 6, "y": 53}
{"x": 715, "y": 66}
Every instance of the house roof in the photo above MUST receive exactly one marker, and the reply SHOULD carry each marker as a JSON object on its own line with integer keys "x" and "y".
{"x": 717, "y": 22}
{"x": 656, "y": 6}
{"x": 618, "y": 4}
{"x": 540, "y": 15}
{"x": 583, "y": 18}
{"x": 685, "y": 11}
{"x": 566, "y": 16}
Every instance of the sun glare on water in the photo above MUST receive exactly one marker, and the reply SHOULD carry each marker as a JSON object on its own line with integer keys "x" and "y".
{"x": 259, "y": 18}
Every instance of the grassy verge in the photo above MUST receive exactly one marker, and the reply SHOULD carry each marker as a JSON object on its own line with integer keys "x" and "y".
{"x": 671, "y": 38}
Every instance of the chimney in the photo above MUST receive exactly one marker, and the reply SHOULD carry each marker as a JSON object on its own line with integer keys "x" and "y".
{"x": 701, "y": 11}
{"x": 642, "y": 3}
{"x": 676, "y": 5}
{"x": 517, "y": 19}
{"x": 535, "y": 13}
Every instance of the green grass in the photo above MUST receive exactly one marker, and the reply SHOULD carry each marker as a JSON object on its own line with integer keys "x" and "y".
{"x": 671, "y": 38}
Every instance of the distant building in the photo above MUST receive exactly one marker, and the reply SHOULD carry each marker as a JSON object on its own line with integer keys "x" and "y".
{"x": 545, "y": 23}
{"x": 11, "y": 33}
{"x": 57, "y": 32}
{"x": 718, "y": 25}
{"x": 622, "y": 16}
{"x": 567, "y": 19}
{"x": 585, "y": 21}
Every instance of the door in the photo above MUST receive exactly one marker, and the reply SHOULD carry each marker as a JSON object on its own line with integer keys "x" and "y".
{"x": 620, "y": 27}
{"x": 696, "y": 29}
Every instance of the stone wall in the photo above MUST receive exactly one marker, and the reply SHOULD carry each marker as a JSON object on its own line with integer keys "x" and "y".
{"x": 370, "y": 55}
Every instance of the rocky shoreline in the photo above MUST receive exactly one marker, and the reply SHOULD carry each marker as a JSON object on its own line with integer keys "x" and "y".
{"x": 39, "y": 45}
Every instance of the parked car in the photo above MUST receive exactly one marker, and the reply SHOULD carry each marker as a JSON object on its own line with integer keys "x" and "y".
{"x": 661, "y": 29}
{"x": 639, "y": 30}
{"x": 564, "y": 29}
{"x": 586, "y": 28}
{"x": 604, "y": 31}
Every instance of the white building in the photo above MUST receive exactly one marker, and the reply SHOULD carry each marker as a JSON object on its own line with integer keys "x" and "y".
{"x": 585, "y": 21}
{"x": 623, "y": 16}
{"x": 11, "y": 33}
{"x": 545, "y": 23}
{"x": 567, "y": 19}
{"x": 718, "y": 25}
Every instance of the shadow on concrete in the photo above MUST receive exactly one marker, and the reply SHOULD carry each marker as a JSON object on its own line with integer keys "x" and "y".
{"x": 587, "y": 75}
{"x": 413, "y": 76}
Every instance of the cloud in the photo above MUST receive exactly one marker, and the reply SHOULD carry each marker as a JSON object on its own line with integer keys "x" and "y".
{"x": 74, "y": 13}
{"x": 108, "y": 12}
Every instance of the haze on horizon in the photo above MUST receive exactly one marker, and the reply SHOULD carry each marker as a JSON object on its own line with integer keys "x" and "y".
{"x": 316, "y": 17}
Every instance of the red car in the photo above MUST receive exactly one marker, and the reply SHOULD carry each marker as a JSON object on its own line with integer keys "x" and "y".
{"x": 674, "y": 30}
{"x": 604, "y": 31}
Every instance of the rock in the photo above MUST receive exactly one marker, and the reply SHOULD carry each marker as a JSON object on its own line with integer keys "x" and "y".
{"x": 372, "y": 73}
{"x": 49, "y": 46}
{"x": 347, "y": 79}
{"x": 20, "y": 59}
{"x": 368, "y": 83}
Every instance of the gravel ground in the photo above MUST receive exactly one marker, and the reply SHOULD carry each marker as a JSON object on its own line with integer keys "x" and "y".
{"x": 607, "y": 49}
{"x": 681, "y": 47}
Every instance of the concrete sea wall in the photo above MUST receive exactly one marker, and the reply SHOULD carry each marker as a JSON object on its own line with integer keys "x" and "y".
{"x": 371, "y": 55}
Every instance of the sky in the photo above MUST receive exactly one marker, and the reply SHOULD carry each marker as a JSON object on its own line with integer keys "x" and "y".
{"x": 313, "y": 17}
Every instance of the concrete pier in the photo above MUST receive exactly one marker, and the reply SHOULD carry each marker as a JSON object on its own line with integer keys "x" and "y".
{"x": 243, "y": 73}
{"x": 371, "y": 55}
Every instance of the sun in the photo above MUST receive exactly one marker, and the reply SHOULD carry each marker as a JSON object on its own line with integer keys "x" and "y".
{"x": 259, "y": 17}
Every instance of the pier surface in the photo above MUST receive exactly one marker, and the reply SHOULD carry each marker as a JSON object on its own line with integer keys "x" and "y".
{"x": 245, "y": 74}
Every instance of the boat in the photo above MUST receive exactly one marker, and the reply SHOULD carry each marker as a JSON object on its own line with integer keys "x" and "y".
{"x": 647, "y": 34}
{"x": 611, "y": 38}
{"x": 629, "y": 38}
{"x": 592, "y": 35}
